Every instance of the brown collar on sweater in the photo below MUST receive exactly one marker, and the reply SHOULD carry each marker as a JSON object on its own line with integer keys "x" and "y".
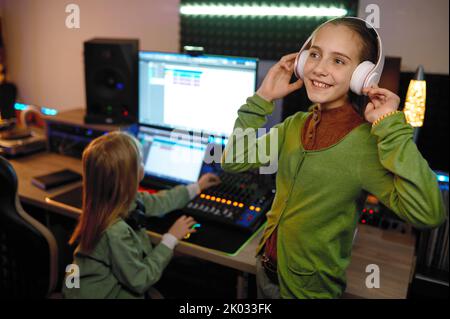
{"x": 324, "y": 128}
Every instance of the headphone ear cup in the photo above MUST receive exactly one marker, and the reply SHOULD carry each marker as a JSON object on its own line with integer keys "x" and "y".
{"x": 360, "y": 75}
{"x": 300, "y": 66}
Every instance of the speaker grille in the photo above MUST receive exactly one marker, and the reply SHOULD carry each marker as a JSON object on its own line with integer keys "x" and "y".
{"x": 111, "y": 77}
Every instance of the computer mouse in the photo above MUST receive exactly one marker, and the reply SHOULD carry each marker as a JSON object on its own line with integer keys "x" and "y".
{"x": 196, "y": 227}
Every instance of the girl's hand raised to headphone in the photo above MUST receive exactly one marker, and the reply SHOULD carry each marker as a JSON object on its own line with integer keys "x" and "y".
{"x": 182, "y": 227}
{"x": 277, "y": 84}
{"x": 382, "y": 101}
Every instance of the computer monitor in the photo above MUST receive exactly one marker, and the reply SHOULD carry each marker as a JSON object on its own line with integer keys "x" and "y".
{"x": 194, "y": 93}
{"x": 169, "y": 158}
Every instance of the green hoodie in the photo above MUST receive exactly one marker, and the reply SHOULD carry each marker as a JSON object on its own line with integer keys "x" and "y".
{"x": 315, "y": 205}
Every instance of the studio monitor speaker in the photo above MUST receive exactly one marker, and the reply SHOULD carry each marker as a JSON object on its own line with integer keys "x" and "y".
{"x": 111, "y": 78}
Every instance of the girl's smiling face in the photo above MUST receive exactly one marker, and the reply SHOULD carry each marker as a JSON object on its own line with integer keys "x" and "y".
{"x": 333, "y": 56}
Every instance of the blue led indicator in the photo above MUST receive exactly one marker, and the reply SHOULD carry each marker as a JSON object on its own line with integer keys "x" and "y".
{"x": 48, "y": 111}
{"x": 20, "y": 106}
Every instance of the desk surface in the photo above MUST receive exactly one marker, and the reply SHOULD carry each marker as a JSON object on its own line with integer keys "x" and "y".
{"x": 43, "y": 163}
{"x": 391, "y": 251}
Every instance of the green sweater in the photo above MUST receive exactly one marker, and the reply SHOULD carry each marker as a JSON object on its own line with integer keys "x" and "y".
{"x": 124, "y": 263}
{"x": 315, "y": 205}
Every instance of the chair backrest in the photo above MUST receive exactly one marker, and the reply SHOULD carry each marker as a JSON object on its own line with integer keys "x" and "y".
{"x": 28, "y": 250}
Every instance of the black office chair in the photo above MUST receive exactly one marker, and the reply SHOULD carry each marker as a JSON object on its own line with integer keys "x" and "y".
{"x": 28, "y": 250}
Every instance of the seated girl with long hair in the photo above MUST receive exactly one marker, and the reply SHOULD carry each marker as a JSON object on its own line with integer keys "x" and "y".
{"x": 114, "y": 259}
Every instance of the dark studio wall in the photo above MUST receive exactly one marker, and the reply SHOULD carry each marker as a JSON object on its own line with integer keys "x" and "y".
{"x": 267, "y": 38}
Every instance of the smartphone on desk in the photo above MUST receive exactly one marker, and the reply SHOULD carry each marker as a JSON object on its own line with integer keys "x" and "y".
{"x": 55, "y": 179}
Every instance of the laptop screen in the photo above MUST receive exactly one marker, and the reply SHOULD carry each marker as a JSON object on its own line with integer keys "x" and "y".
{"x": 177, "y": 159}
{"x": 200, "y": 94}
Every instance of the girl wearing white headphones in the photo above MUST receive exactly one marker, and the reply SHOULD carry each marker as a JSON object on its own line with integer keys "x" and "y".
{"x": 328, "y": 157}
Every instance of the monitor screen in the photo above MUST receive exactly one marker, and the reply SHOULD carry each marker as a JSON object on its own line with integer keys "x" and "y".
{"x": 200, "y": 94}
{"x": 175, "y": 159}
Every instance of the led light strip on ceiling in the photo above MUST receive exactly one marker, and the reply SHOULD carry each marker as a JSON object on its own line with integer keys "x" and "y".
{"x": 261, "y": 11}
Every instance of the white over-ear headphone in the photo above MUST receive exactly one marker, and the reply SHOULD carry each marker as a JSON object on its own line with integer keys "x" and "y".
{"x": 365, "y": 74}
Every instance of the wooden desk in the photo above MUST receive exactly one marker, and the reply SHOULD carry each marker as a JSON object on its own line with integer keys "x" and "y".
{"x": 391, "y": 251}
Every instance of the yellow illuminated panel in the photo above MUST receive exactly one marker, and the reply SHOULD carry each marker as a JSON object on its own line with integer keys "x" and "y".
{"x": 415, "y": 103}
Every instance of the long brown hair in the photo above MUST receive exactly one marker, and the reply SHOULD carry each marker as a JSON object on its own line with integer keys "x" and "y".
{"x": 110, "y": 182}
